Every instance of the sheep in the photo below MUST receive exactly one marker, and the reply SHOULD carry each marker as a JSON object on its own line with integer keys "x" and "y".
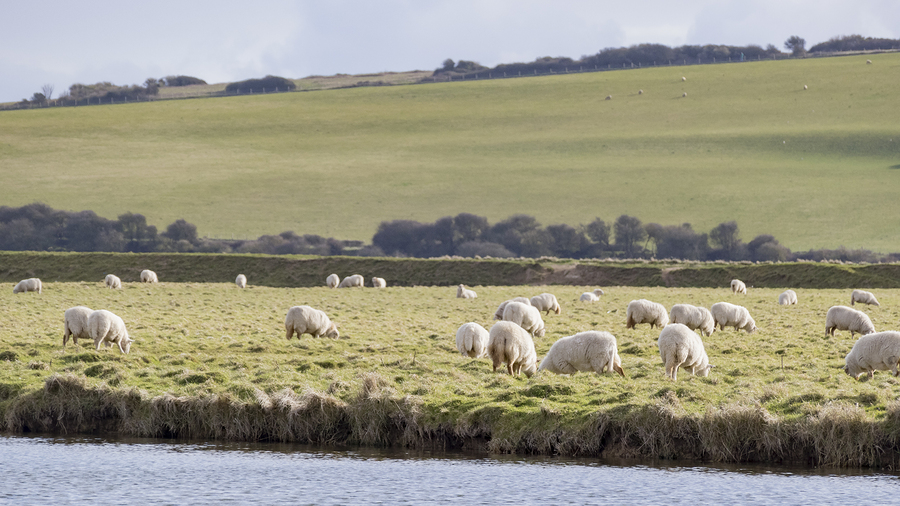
{"x": 609, "y": 97}
{"x": 472, "y": 340}
{"x": 585, "y": 351}
{"x": 683, "y": 78}
{"x": 107, "y": 327}
{"x": 805, "y": 87}
{"x": 546, "y": 302}
{"x": 730, "y": 315}
{"x": 738, "y": 286}
{"x": 112, "y": 281}
{"x": 526, "y": 316}
{"x": 511, "y": 344}
{"x": 863, "y": 297}
{"x": 679, "y": 346}
{"x": 847, "y": 318}
{"x": 148, "y": 276}
{"x": 787, "y": 298}
{"x": 694, "y": 318}
{"x": 306, "y": 320}
{"x": 29, "y": 285}
{"x": 683, "y": 95}
{"x": 355, "y": 280}
{"x": 591, "y": 296}
{"x": 332, "y": 281}
{"x": 464, "y": 293}
{"x": 498, "y": 315}
{"x": 241, "y": 281}
{"x": 75, "y": 324}
{"x": 378, "y": 282}
{"x": 640, "y": 92}
{"x": 645, "y": 311}
{"x": 874, "y": 352}
{"x": 868, "y": 62}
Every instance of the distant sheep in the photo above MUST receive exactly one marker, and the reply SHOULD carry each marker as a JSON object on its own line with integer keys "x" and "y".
{"x": 509, "y": 343}
{"x": 680, "y": 346}
{"x": 730, "y": 315}
{"x": 693, "y": 317}
{"x": 546, "y": 302}
{"x": 353, "y": 281}
{"x": 107, "y": 327}
{"x": 591, "y": 296}
{"x": 805, "y": 87}
{"x": 645, "y": 311}
{"x": 683, "y": 95}
{"x": 75, "y": 324}
{"x": 472, "y": 340}
{"x": 609, "y": 97}
{"x": 464, "y": 293}
{"x": 148, "y": 276}
{"x": 874, "y": 352}
{"x": 378, "y": 282}
{"x": 868, "y": 62}
{"x": 241, "y": 281}
{"x": 847, "y": 318}
{"x": 332, "y": 281}
{"x": 590, "y": 351}
{"x": 526, "y": 316}
{"x": 787, "y": 298}
{"x": 640, "y": 92}
{"x": 306, "y": 320}
{"x": 683, "y": 78}
{"x": 498, "y": 315}
{"x": 29, "y": 285}
{"x": 863, "y": 297}
{"x": 738, "y": 286}
{"x": 112, "y": 281}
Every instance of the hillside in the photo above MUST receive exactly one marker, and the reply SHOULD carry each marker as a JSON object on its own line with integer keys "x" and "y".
{"x": 815, "y": 168}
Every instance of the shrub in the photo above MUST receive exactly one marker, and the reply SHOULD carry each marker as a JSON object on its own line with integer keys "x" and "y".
{"x": 268, "y": 83}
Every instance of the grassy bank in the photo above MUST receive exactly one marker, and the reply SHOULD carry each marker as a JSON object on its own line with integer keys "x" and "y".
{"x": 210, "y": 361}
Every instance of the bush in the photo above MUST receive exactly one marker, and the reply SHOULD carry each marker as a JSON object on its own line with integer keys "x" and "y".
{"x": 181, "y": 80}
{"x": 266, "y": 84}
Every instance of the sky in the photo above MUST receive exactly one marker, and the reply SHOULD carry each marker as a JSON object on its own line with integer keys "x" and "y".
{"x": 61, "y": 43}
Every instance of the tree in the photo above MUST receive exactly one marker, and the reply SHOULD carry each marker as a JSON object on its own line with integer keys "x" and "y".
{"x": 47, "y": 91}
{"x": 725, "y": 236}
{"x": 796, "y": 45}
{"x": 598, "y": 231}
{"x": 448, "y": 64}
{"x": 629, "y": 232}
{"x": 568, "y": 242}
{"x": 181, "y": 230}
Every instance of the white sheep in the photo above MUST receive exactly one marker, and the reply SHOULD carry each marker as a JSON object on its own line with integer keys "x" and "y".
{"x": 526, "y": 316}
{"x": 29, "y": 285}
{"x": 863, "y": 297}
{"x": 874, "y": 352}
{"x": 693, "y": 317}
{"x": 680, "y": 346}
{"x": 683, "y": 78}
{"x": 379, "y": 282}
{"x": 472, "y": 340}
{"x": 591, "y": 296}
{"x": 112, "y": 281}
{"x": 585, "y": 351}
{"x": 332, "y": 281}
{"x": 868, "y": 62}
{"x": 730, "y": 315}
{"x": 787, "y": 298}
{"x": 355, "y": 280}
{"x": 148, "y": 276}
{"x": 546, "y": 302}
{"x": 645, "y": 311}
{"x": 241, "y": 281}
{"x": 498, "y": 315}
{"x": 109, "y": 328}
{"x": 640, "y": 92}
{"x": 609, "y": 97}
{"x": 847, "y": 318}
{"x": 683, "y": 95}
{"x": 805, "y": 87}
{"x": 464, "y": 293}
{"x": 510, "y": 344}
{"x": 75, "y": 324}
{"x": 738, "y": 286}
{"x": 306, "y": 320}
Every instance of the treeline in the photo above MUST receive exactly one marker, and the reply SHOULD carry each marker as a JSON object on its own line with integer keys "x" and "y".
{"x": 107, "y": 92}
{"x": 854, "y": 43}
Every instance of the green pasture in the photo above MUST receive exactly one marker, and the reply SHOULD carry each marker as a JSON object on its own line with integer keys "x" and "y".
{"x": 816, "y": 168}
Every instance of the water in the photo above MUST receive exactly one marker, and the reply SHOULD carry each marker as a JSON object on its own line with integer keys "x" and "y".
{"x": 79, "y": 470}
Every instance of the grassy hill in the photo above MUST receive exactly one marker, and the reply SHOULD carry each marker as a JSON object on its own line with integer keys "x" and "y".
{"x": 816, "y": 168}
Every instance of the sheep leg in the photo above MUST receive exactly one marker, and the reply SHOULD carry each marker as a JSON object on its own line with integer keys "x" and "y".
{"x": 509, "y": 368}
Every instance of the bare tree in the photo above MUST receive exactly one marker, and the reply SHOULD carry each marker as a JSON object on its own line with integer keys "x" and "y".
{"x": 47, "y": 91}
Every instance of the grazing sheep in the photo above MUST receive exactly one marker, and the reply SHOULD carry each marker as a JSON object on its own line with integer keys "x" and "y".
{"x": 498, "y": 315}
{"x": 107, "y": 327}
{"x": 464, "y": 293}
{"x": 472, "y": 340}
{"x": 874, "y": 352}
{"x": 805, "y": 87}
{"x": 511, "y": 344}
{"x": 863, "y": 297}
{"x": 113, "y": 281}
{"x": 683, "y": 78}
{"x": 306, "y": 320}
{"x": 693, "y": 317}
{"x": 355, "y": 280}
{"x": 526, "y": 316}
{"x": 847, "y": 318}
{"x": 738, "y": 286}
{"x": 609, "y": 97}
{"x": 683, "y": 95}
{"x": 591, "y": 296}
{"x": 546, "y": 302}
{"x": 378, "y": 282}
{"x": 640, "y": 92}
{"x": 332, "y": 281}
{"x": 29, "y": 285}
{"x": 787, "y": 298}
{"x": 148, "y": 276}
{"x": 680, "y": 346}
{"x": 75, "y": 324}
{"x": 730, "y": 315}
{"x": 585, "y": 351}
{"x": 868, "y": 62}
{"x": 241, "y": 281}
{"x": 645, "y": 311}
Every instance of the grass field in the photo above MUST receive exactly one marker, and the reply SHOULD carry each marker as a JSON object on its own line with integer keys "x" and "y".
{"x": 210, "y": 360}
{"x": 816, "y": 168}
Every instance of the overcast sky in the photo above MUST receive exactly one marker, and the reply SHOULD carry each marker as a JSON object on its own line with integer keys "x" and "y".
{"x": 62, "y": 42}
